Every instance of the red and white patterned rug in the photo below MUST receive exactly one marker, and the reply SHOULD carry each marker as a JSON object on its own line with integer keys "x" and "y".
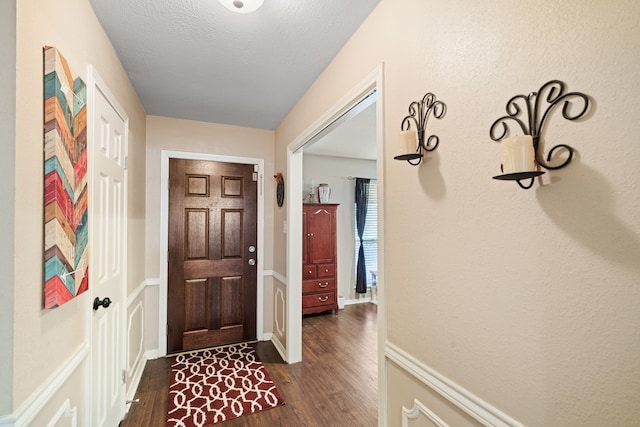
{"x": 212, "y": 386}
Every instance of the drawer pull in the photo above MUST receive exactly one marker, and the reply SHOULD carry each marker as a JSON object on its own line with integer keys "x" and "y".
{"x": 326, "y": 270}
{"x": 323, "y": 299}
{"x": 323, "y": 285}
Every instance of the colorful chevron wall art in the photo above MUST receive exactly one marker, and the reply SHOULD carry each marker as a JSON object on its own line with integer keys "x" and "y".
{"x": 66, "y": 268}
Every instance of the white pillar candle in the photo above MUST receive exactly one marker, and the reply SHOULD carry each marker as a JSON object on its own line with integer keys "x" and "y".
{"x": 517, "y": 154}
{"x": 408, "y": 142}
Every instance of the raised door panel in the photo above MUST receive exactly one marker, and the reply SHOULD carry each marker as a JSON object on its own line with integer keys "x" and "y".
{"x": 322, "y": 235}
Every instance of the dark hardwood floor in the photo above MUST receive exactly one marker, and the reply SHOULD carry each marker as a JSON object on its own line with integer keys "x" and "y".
{"x": 335, "y": 385}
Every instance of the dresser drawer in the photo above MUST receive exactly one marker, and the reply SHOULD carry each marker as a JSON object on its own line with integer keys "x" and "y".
{"x": 309, "y": 271}
{"x": 318, "y": 285}
{"x": 326, "y": 270}
{"x": 319, "y": 299}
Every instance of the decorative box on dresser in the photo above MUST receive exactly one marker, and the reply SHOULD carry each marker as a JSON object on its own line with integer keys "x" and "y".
{"x": 319, "y": 261}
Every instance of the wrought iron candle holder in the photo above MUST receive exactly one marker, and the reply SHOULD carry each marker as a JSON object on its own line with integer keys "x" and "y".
{"x": 419, "y": 112}
{"x": 553, "y": 92}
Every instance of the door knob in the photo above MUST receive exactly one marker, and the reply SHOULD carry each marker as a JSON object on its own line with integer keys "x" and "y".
{"x": 106, "y": 302}
{"x": 252, "y": 261}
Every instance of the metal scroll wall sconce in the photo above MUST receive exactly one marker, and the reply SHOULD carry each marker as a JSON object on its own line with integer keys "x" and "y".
{"x": 412, "y": 136}
{"x": 521, "y": 155}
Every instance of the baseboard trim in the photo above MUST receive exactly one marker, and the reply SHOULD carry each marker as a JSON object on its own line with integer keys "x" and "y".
{"x": 278, "y": 345}
{"x": 154, "y": 281}
{"x": 34, "y": 404}
{"x": 358, "y": 301}
{"x": 7, "y": 421}
{"x": 151, "y": 354}
{"x": 137, "y": 376}
{"x": 135, "y": 380}
{"x": 466, "y": 401}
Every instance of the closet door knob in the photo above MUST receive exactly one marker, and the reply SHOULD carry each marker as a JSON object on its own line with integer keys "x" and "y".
{"x": 97, "y": 303}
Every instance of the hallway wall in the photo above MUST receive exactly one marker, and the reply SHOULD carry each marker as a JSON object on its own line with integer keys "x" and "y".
{"x": 50, "y": 347}
{"x": 520, "y": 304}
{"x": 7, "y": 182}
{"x": 171, "y": 134}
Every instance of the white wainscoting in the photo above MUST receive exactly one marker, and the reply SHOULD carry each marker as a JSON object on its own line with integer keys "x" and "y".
{"x": 279, "y": 313}
{"x": 28, "y": 411}
{"x": 277, "y": 276}
{"x": 7, "y": 421}
{"x": 136, "y": 356}
{"x": 65, "y": 416}
{"x": 464, "y": 400}
{"x": 416, "y": 411}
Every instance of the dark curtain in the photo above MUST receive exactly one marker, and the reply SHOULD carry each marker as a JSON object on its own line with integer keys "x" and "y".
{"x": 362, "y": 199}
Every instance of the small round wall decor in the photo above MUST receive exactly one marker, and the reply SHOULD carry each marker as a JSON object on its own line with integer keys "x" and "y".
{"x": 279, "y": 188}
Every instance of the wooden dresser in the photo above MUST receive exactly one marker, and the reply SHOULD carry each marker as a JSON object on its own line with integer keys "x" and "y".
{"x": 319, "y": 263}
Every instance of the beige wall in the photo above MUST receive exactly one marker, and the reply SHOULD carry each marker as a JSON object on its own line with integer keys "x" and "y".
{"x": 45, "y": 339}
{"x": 527, "y": 299}
{"x": 209, "y": 138}
{"x": 165, "y": 133}
{"x": 7, "y": 180}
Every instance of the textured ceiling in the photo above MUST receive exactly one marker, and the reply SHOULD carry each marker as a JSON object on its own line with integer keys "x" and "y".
{"x": 352, "y": 135}
{"x": 195, "y": 59}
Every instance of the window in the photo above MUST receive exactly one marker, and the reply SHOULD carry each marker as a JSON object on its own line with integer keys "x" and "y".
{"x": 370, "y": 235}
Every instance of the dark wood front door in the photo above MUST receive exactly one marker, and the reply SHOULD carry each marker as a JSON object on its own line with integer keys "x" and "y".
{"x": 212, "y": 254}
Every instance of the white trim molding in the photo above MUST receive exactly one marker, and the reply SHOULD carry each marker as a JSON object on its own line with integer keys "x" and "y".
{"x": 8, "y": 421}
{"x": 138, "y": 309}
{"x": 279, "y": 307}
{"x": 65, "y": 411}
{"x": 151, "y": 354}
{"x": 420, "y": 408}
{"x": 27, "y": 412}
{"x": 140, "y": 289}
{"x": 279, "y": 277}
{"x": 278, "y": 345}
{"x": 463, "y": 399}
{"x": 136, "y": 366}
{"x": 373, "y": 82}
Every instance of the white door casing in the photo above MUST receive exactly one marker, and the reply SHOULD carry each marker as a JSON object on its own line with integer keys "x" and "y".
{"x": 372, "y": 82}
{"x": 108, "y": 134}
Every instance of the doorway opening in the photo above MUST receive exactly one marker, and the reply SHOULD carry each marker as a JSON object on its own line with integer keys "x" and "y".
{"x": 340, "y": 157}
{"x": 295, "y": 167}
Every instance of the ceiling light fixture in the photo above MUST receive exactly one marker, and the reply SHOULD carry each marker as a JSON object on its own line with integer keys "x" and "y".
{"x": 242, "y": 6}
